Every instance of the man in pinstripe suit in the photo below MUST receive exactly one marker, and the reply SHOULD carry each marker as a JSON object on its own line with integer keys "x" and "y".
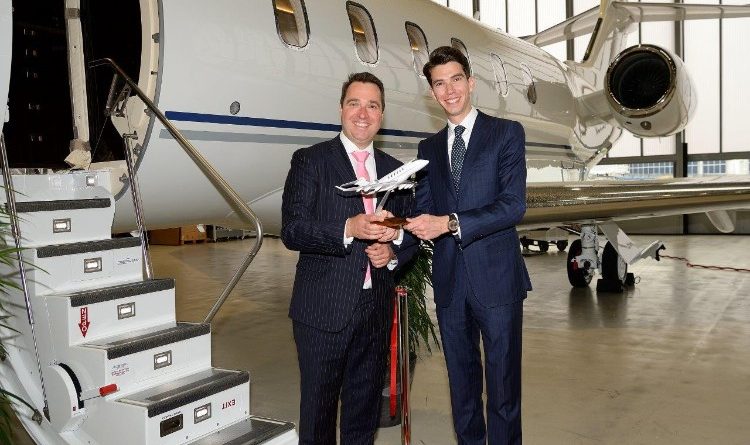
{"x": 471, "y": 197}
{"x": 344, "y": 282}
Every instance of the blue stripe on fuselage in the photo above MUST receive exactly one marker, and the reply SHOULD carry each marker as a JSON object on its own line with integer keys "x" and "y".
{"x": 277, "y": 123}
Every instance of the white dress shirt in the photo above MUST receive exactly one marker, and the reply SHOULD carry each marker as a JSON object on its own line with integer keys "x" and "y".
{"x": 468, "y": 124}
{"x": 370, "y": 165}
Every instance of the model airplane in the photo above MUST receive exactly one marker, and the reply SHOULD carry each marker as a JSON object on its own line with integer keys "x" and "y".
{"x": 396, "y": 180}
{"x": 249, "y": 83}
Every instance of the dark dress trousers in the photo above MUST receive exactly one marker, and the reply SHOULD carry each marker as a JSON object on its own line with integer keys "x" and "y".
{"x": 480, "y": 279}
{"x": 341, "y": 330}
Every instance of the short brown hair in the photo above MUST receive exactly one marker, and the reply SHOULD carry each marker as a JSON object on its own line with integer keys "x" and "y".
{"x": 363, "y": 77}
{"x": 443, "y": 55}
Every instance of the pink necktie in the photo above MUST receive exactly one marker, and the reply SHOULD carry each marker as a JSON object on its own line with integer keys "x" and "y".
{"x": 361, "y": 170}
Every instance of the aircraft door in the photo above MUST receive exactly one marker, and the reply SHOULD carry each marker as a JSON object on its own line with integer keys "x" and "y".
{"x": 6, "y": 42}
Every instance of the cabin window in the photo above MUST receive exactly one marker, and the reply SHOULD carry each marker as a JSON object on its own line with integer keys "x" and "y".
{"x": 528, "y": 80}
{"x": 459, "y": 45}
{"x": 419, "y": 49}
{"x": 501, "y": 79}
{"x": 291, "y": 22}
{"x": 363, "y": 32}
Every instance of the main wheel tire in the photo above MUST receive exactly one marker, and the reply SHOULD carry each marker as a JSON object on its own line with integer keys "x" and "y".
{"x": 578, "y": 277}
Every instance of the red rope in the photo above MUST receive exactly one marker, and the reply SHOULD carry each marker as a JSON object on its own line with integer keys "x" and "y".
{"x": 394, "y": 355}
{"x": 702, "y": 266}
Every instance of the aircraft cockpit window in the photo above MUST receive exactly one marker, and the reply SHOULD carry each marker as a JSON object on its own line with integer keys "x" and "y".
{"x": 501, "y": 79}
{"x": 459, "y": 45}
{"x": 419, "y": 49}
{"x": 528, "y": 80}
{"x": 363, "y": 32}
{"x": 291, "y": 22}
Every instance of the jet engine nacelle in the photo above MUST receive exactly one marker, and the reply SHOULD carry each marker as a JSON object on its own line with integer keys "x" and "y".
{"x": 649, "y": 91}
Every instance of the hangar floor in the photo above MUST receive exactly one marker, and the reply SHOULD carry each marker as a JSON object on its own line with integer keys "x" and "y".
{"x": 667, "y": 362}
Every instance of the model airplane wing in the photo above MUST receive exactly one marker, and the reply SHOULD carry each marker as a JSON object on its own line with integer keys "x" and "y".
{"x": 586, "y": 22}
{"x": 361, "y": 186}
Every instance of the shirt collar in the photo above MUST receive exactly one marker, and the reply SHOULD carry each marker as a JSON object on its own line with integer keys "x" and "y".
{"x": 467, "y": 123}
{"x": 351, "y": 147}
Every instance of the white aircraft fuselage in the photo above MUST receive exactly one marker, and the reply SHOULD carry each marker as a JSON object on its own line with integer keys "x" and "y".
{"x": 247, "y": 100}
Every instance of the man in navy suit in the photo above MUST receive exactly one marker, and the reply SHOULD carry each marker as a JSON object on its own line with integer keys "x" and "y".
{"x": 472, "y": 195}
{"x": 344, "y": 285}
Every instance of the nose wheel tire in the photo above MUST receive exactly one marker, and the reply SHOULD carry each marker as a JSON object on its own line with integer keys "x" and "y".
{"x": 614, "y": 271}
{"x": 577, "y": 276}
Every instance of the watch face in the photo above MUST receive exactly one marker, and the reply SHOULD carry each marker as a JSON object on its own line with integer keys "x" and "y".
{"x": 452, "y": 225}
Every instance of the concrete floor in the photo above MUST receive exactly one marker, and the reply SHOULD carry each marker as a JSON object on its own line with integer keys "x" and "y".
{"x": 667, "y": 362}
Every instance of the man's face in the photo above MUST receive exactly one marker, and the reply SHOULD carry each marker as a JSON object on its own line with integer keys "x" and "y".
{"x": 361, "y": 113}
{"x": 452, "y": 89}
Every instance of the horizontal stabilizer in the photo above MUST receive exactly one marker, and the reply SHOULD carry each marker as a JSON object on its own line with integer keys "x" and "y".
{"x": 585, "y": 23}
{"x": 579, "y": 25}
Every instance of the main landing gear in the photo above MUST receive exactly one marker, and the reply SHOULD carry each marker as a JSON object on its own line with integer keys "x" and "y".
{"x": 583, "y": 262}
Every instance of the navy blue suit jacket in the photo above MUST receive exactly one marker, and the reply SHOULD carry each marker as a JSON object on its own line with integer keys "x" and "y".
{"x": 490, "y": 202}
{"x": 329, "y": 278}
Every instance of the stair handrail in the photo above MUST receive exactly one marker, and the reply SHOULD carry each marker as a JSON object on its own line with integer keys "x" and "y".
{"x": 230, "y": 195}
{"x": 10, "y": 196}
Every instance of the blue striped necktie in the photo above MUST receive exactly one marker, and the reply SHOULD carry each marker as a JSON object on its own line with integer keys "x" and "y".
{"x": 457, "y": 156}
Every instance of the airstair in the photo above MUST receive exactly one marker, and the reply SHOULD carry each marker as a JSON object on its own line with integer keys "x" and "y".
{"x": 116, "y": 367}
{"x": 91, "y": 340}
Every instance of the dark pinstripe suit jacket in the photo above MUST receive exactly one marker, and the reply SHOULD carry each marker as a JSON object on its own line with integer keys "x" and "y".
{"x": 490, "y": 202}
{"x": 329, "y": 277}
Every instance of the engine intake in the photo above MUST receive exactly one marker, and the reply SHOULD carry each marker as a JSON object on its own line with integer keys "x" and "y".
{"x": 649, "y": 91}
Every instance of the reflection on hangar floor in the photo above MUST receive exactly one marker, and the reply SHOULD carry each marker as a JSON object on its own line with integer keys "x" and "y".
{"x": 664, "y": 363}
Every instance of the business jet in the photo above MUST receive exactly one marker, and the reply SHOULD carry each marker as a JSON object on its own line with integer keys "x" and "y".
{"x": 250, "y": 82}
{"x": 396, "y": 180}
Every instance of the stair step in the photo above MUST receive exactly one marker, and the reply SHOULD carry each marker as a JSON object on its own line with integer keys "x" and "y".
{"x": 65, "y": 268}
{"x": 61, "y": 204}
{"x": 164, "y": 398}
{"x": 86, "y": 247}
{"x": 90, "y": 315}
{"x": 117, "y": 348}
{"x": 63, "y": 221}
{"x": 176, "y": 412}
{"x": 119, "y": 291}
{"x": 252, "y": 431}
{"x": 143, "y": 357}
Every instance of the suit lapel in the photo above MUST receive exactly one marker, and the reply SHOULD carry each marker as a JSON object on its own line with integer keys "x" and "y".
{"x": 340, "y": 161}
{"x": 477, "y": 142}
{"x": 443, "y": 167}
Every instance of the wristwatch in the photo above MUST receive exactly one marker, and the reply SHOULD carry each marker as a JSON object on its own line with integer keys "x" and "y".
{"x": 453, "y": 223}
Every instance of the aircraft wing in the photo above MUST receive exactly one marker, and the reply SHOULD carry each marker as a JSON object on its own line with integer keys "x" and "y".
{"x": 554, "y": 204}
{"x": 585, "y": 22}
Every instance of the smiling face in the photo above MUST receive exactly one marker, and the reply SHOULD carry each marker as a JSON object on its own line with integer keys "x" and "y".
{"x": 452, "y": 89}
{"x": 361, "y": 113}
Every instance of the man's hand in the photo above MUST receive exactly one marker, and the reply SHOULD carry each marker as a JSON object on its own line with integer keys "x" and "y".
{"x": 380, "y": 254}
{"x": 427, "y": 227}
{"x": 390, "y": 232}
{"x": 362, "y": 227}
